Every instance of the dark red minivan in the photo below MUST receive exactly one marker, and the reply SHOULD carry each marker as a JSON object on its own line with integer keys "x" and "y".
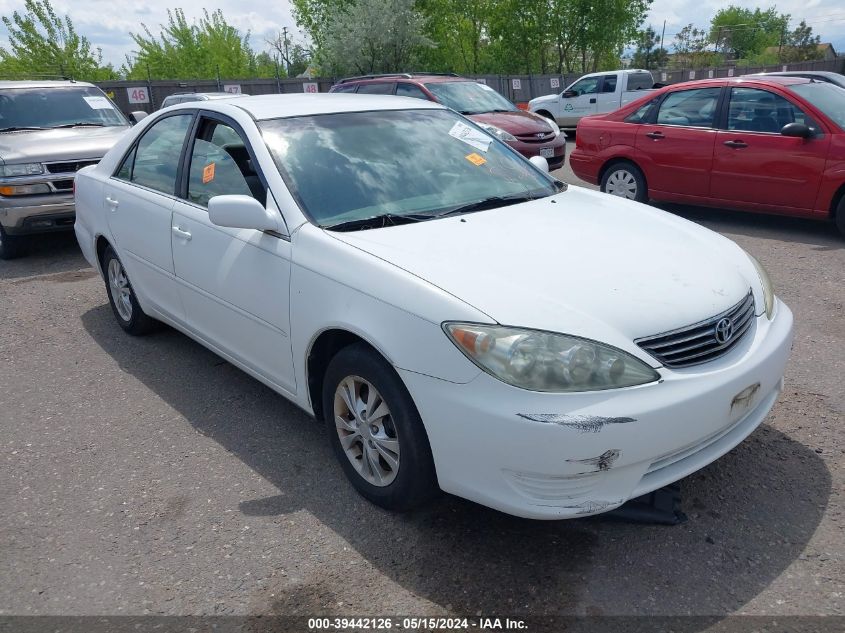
{"x": 528, "y": 133}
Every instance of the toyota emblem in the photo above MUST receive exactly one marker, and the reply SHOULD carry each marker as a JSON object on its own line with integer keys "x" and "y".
{"x": 724, "y": 331}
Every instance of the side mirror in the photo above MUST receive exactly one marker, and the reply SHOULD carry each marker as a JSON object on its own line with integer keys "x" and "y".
{"x": 540, "y": 163}
{"x": 242, "y": 212}
{"x": 796, "y": 129}
{"x": 137, "y": 116}
{"x": 568, "y": 94}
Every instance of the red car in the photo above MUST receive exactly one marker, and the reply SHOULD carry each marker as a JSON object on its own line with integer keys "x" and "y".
{"x": 528, "y": 133}
{"x": 770, "y": 144}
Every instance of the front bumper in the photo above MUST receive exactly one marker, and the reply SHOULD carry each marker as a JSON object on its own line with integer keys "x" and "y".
{"x": 558, "y": 144}
{"x": 554, "y": 456}
{"x": 23, "y": 215}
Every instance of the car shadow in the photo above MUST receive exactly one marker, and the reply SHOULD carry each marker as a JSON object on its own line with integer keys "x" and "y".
{"x": 751, "y": 513}
{"x": 821, "y": 235}
{"x": 46, "y": 255}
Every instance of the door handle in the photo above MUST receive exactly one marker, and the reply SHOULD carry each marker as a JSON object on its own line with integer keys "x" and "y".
{"x": 112, "y": 203}
{"x": 655, "y": 135}
{"x": 593, "y": 100}
{"x": 736, "y": 144}
{"x": 181, "y": 234}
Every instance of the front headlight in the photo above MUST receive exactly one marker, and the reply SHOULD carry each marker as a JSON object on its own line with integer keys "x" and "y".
{"x": 545, "y": 361}
{"x": 498, "y": 132}
{"x": 768, "y": 289}
{"x": 555, "y": 127}
{"x": 21, "y": 169}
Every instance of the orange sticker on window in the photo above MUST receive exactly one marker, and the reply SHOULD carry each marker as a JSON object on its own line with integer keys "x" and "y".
{"x": 476, "y": 159}
{"x": 208, "y": 173}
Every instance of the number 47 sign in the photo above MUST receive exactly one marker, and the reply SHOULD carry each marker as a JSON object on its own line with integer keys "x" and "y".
{"x": 138, "y": 95}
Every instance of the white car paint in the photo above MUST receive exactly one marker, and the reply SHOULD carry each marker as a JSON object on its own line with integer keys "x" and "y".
{"x": 579, "y": 263}
{"x": 628, "y": 85}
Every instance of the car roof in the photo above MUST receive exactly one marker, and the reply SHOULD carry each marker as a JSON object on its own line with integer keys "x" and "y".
{"x": 37, "y": 83}
{"x": 747, "y": 79}
{"x": 263, "y": 107}
{"x": 799, "y": 73}
{"x": 409, "y": 77}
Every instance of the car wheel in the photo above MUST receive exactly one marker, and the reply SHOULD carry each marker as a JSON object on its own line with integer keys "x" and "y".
{"x": 840, "y": 215}
{"x": 376, "y": 430}
{"x": 11, "y": 246}
{"x": 125, "y": 306}
{"x": 626, "y": 181}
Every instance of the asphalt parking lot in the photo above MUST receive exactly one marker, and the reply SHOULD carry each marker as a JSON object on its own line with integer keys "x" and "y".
{"x": 148, "y": 476}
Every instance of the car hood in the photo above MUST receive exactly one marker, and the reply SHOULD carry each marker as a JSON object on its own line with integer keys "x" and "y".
{"x": 541, "y": 100}
{"x": 78, "y": 143}
{"x": 581, "y": 263}
{"x": 516, "y": 122}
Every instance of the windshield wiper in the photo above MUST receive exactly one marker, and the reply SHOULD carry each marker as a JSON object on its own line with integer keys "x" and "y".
{"x": 377, "y": 222}
{"x": 494, "y": 202}
{"x": 21, "y": 127}
{"x": 79, "y": 124}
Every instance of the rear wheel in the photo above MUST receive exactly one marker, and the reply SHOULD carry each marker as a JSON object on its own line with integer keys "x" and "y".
{"x": 840, "y": 215}
{"x": 11, "y": 246}
{"x": 624, "y": 179}
{"x": 376, "y": 431}
{"x": 125, "y": 306}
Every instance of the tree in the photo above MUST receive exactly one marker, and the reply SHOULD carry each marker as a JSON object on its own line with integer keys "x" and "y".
{"x": 691, "y": 49}
{"x": 801, "y": 45}
{"x": 293, "y": 57}
{"x": 373, "y": 36}
{"x": 315, "y": 16}
{"x": 743, "y": 33}
{"x": 649, "y": 54}
{"x": 207, "y": 48}
{"x": 41, "y": 42}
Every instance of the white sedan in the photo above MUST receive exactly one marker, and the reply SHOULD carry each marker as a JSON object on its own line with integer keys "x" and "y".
{"x": 459, "y": 319}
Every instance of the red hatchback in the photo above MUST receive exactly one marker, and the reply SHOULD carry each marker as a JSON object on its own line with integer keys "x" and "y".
{"x": 528, "y": 133}
{"x": 770, "y": 144}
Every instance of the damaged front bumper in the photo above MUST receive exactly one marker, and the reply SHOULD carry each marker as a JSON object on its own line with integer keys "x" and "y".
{"x": 554, "y": 456}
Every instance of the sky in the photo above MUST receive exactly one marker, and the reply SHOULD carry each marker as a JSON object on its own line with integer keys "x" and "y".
{"x": 107, "y": 23}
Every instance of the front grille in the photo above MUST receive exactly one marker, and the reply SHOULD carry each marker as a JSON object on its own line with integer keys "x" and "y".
{"x": 63, "y": 185}
{"x": 69, "y": 167}
{"x": 543, "y": 137}
{"x": 704, "y": 341}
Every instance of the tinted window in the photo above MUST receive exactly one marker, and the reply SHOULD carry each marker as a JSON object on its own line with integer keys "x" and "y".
{"x": 57, "y": 107}
{"x": 609, "y": 84}
{"x": 753, "y": 110}
{"x": 376, "y": 89}
{"x": 693, "y": 108}
{"x": 345, "y": 88}
{"x": 640, "y": 81}
{"x": 587, "y": 86}
{"x": 158, "y": 152}
{"x": 221, "y": 165}
{"x": 354, "y": 166}
{"x": 469, "y": 97}
{"x": 410, "y": 90}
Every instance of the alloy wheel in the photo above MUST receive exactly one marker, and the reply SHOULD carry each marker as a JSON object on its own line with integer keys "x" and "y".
{"x": 366, "y": 431}
{"x": 121, "y": 291}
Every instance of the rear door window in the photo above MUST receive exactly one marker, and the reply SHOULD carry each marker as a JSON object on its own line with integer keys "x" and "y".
{"x": 376, "y": 89}
{"x": 410, "y": 90}
{"x": 640, "y": 81}
{"x": 345, "y": 88}
{"x": 609, "y": 84}
{"x": 155, "y": 161}
{"x": 689, "y": 108}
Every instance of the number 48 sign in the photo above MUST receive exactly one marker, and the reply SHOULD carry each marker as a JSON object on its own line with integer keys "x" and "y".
{"x": 138, "y": 95}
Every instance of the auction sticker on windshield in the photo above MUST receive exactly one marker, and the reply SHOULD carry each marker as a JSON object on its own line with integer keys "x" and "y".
{"x": 98, "y": 103}
{"x": 470, "y": 136}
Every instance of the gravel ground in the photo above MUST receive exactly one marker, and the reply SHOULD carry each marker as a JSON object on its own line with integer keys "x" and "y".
{"x": 148, "y": 476}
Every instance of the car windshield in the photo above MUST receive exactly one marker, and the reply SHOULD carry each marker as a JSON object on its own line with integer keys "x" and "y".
{"x": 469, "y": 97}
{"x": 70, "y": 106}
{"x": 826, "y": 97}
{"x": 406, "y": 164}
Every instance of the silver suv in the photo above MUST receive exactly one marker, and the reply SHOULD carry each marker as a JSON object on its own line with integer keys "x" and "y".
{"x": 48, "y": 131}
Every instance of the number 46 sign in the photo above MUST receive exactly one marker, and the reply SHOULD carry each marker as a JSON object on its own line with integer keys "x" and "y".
{"x": 138, "y": 95}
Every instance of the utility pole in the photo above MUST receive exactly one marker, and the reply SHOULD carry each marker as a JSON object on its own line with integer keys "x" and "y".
{"x": 285, "y": 45}
{"x": 663, "y": 34}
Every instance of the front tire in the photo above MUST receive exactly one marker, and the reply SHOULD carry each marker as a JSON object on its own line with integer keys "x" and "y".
{"x": 11, "y": 246}
{"x": 122, "y": 298}
{"x": 376, "y": 430}
{"x": 624, "y": 179}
